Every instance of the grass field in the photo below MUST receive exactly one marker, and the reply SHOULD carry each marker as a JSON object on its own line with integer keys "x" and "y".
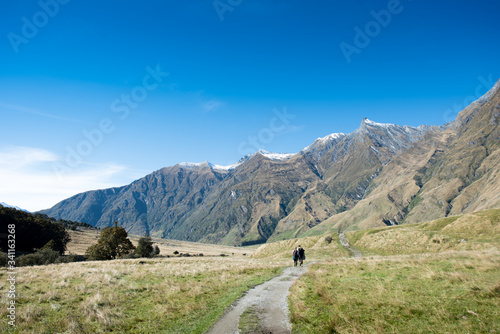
{"x": 449, "y": 292}
{"x": 175, "y": 295}
{"x": 84, "y": 238}
{"x": 436, "y": 277}
{"x": 441, "y": 276}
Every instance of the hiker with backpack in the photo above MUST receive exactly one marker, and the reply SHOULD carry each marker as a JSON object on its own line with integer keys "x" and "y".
{"x": 302, "y": 255}
{"x": 295, "y": 256}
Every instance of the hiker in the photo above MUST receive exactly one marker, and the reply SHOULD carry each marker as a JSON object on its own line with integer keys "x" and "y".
{"x": 302, "y": 255}
{"x": 295, "y": 255}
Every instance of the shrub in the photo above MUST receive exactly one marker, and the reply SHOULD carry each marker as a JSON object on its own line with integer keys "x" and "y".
{"x": 40, "y": 257}
{"x": 3, "y": 259}
{"x": 145, "y": 247}
{"x": 70, "y": 258}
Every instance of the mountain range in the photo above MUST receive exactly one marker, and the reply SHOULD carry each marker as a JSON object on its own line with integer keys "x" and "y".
{"x": 380, "y": 174}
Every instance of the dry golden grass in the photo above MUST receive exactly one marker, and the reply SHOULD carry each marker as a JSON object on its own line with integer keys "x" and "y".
{"x": 84, "y": 238}
{"x": 168, "y": 295}
{"x": 474, "y": 231}
{"x": 317, "y": 248}
{"x": 448, "y": 292}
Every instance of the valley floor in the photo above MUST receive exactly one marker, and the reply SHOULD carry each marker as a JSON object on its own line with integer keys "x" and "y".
{"x": 436, "y": 277}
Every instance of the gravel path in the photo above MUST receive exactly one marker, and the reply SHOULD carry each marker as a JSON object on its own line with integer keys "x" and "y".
{"x": 270, "y": 300}
{"x": 347, "y": 245}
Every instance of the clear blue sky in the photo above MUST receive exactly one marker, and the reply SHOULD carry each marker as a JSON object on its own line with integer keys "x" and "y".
{"x": 100, "y": 67}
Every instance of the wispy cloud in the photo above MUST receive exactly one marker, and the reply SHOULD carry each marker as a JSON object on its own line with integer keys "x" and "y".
{"x": 28, "y": 110}
{"x": 212, "y": 105}
{"x": 27, "y": 178}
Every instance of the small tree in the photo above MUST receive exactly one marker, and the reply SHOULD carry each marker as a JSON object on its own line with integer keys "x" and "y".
{"x": 145, "y": 247}
{"x": 112, "y": 243}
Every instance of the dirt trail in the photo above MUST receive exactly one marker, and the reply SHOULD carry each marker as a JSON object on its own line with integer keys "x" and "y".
{"x": 270, "y": 301}
{"x": 347, "y": 245}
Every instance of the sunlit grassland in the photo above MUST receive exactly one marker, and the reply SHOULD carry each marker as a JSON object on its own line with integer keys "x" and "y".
{"x": 317, "y": 248}
{"x": 84, "y": 238}
{"x": 448, "y": 292}
{"x": 474, "y": 231}
{"x": 175, "y": 295}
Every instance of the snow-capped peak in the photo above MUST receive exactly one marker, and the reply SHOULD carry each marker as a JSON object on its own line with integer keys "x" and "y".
{"x": 193, "y": 164}
{"x": 324, "y": 140}
{"x": 372, "y": 123}
{"x": 226, "y": 168}
{"x": 489, "y": 93}
{"x": 276, "y": 156}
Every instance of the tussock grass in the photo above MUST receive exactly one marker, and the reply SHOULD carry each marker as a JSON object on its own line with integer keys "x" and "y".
{"x": 448, "y": 292}
{"x": 474, "y": 231}
{"x": 176, "y": 295}
{"x": 317, "y": 248}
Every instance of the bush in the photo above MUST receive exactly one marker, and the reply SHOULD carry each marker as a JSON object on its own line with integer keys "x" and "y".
{"x": 40, "y": 257}
{"x": 3, "y": 259}
{"x": 145, "y": 247}
{"x": 131, "y": 255}
{"x": 70, "y": 258}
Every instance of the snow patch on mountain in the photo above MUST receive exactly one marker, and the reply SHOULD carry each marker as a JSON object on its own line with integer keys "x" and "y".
{"x": 324, "y": 140}
{"x": 270, "y": 155}
{"x": 225, "y": 168}
{"x": 276, "y": 156}
{"x": 193, "y": 164}
{"x": 382, "y": 125}
{"x": 5, "y": 205}
{"x": 489, "y": 93}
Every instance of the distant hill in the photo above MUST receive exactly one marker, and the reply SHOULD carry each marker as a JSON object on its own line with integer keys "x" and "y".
{"x": 378, "y": 175}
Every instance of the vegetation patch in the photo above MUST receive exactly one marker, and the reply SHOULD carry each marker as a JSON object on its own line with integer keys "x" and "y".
{"x": 453, "y": 292}
{"x": 249, "y": 322}
{"x": 472, "y": 231}
{"x": 176, "y": 295}
{"x": 317, "y": 247}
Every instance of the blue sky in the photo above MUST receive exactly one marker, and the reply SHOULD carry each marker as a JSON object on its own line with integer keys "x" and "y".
{"x": 96, "y": 94}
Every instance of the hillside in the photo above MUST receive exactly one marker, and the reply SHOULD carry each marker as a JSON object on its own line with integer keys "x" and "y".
{"x": 380, "y": 174}
{"x": 451, "y": 170}
{"x": 468, "y": 232}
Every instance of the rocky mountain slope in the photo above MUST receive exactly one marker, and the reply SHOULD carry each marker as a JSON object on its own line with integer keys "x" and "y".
{"x": 380, "y": 174}
{"x": 450, "y": 171}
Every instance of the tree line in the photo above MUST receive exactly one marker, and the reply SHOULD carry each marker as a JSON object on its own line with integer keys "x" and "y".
{"x": 40, "y": 240}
